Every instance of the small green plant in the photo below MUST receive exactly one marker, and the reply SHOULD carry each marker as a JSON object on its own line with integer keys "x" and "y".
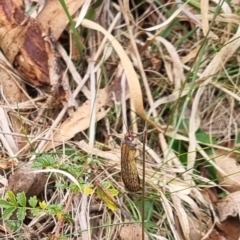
{"x": 18, "y": 204}
{"x": 17, "y": 209}
{"x": 45, "y": 161}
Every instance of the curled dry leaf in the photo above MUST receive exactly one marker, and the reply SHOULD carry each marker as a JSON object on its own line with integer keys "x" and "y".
{"x": 228, "y": 163}
{"x": 24, "y": 45}
{"x": 132, "y": 232}
{"x": 229, "y": 206}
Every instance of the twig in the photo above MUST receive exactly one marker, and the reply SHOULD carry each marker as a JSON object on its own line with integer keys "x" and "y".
{"x": 143, "y": 183}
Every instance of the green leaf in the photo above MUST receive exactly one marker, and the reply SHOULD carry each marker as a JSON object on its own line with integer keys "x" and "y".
{"x": 113, "y": 192}
{"x": 21, "y": 213}
{"x": 180, "y": 150}
{"x": 12, "y": 198}
{"x": 68, "y": 218}
{"x": 205, "y": 138}
{"x": 106, "y": 184}
{"x": 74, "y": 188}
{"x": 45, "y": 161}
{"x": 5, "y": 204}
{"x": 14, "y": 225}
{"x": 54, "y": 209}
{"x": 148, "y": 208}
{"x": 42, "y": 205}
{"x": 33, "y": 201}
{"x": 21, "y": 198}
{"x": 111, "y": 205}
{"x": 35, "y": 212}
{"x": 8, "y": 213}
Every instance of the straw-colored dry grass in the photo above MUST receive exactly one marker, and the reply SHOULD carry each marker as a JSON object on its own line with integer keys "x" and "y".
{"x": 171, "y": 69}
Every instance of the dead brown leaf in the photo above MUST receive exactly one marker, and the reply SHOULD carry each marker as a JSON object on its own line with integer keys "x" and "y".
{"x": 22, "y": 42}
{"x": 80, "y": 120}
{"x": 229, "y": 206}
{"x": 8, "y": 164}
{"x": 228, "y": 163}
{"x": 229, "y": 229}
{"x": 216, "y": 235}
{"x": 28, "y": 47}
{"x": 53, "y": 16}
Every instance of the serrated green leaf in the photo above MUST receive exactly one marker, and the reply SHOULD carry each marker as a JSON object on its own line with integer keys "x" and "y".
{"x": 35, "y": 212}
{"x": 21, "y": 199}
{"x": 42, "y": 205}
{"x": 8, "y": 213}
{"x": 54, "y": 209}
{"x": 106, "y": 199}
{"x": 14, "y": 225}
{"x": 113, "y": 192}
{"x": 12, "y": 198}
{"x": 44, "y": 161}
{"x": 21, "y": 213}
{"x": 33, "y": 201}
{"x": 75, "y": 188}
{"x": 5, "y": 204}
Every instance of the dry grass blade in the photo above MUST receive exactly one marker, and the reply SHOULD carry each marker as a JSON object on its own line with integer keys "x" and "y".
{"x": 214, "y": 66}
{"x": 133, "y": 82}
{"x": 205, "y": 23}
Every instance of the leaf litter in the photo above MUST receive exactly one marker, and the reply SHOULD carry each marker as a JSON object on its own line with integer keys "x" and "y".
{"x": 47, "y": 103}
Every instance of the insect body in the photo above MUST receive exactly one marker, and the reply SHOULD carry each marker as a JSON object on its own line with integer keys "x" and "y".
{"x": 128, "y": 165}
